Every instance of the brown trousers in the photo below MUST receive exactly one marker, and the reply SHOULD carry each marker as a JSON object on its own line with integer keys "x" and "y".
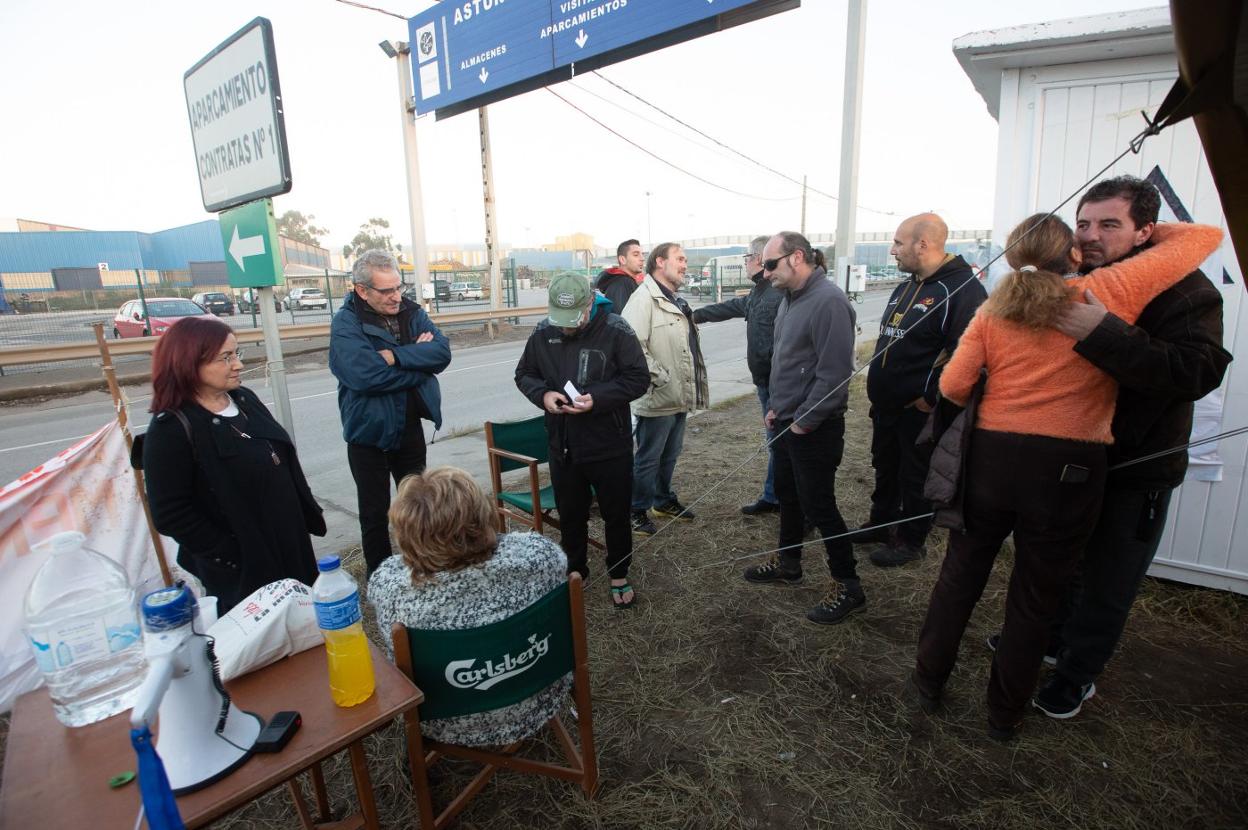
{"x": 1047, "y": 491}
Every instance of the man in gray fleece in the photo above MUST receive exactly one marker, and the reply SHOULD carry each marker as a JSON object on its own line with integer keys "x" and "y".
{"x": 812, "y": 359}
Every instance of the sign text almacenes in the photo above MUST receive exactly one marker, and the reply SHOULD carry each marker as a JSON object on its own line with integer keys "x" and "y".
{"x": 239, "y": 90}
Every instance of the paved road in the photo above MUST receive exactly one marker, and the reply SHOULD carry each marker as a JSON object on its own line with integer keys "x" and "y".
{"x": 477, "y": 386}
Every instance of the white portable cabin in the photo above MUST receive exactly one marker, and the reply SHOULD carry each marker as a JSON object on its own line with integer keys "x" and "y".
{"x": 1067, "y": 96}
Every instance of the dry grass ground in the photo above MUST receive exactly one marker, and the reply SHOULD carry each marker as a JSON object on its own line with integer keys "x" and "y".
{"x": 718, "y": 706}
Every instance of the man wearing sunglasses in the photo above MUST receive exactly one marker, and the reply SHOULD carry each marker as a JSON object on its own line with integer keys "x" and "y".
{"x": 385, "y": 352}
{"x": 812, "y": 359}
{"x": 759, "y": 310}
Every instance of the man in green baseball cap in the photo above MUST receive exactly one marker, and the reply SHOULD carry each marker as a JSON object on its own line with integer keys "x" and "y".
{"x": 583, "y": 366}
{"x": 569, "y": 299}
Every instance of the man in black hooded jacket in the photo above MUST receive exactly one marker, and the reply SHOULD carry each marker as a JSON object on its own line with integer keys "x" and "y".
{"x": 618, "y": 284}
{"x": 590, "y": 434}
{"x": 903, "y": 382}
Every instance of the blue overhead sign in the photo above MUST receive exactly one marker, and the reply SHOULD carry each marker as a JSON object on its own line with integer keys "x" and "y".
{"x": 466, "y": 53}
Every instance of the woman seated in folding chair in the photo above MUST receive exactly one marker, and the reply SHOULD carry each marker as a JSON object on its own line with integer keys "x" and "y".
{"x": 453, "y": 572}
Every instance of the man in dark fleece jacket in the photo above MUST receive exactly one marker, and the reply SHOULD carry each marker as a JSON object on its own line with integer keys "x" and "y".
{"x": 590, "y": 436}
{"x": 618, "y": 284}
{"x": 759, "y": 310}
{"x": 904, "y": 380}
{"x": 812, "y": 359}
{"x": 1170, "y": 358}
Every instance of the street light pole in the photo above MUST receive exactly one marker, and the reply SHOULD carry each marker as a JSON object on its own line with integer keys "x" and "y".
{"x": 402, "y": 54}
{"x": 649, "y": 234}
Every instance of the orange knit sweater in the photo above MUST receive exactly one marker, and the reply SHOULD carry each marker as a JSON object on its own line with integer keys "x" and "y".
{"x": 1037, "y": 383}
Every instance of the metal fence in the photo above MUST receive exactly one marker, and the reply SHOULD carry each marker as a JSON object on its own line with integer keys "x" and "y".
{"x": 60, "y": 317}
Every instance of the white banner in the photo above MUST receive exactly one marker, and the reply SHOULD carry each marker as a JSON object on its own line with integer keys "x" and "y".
{"x": 89, "y": 488}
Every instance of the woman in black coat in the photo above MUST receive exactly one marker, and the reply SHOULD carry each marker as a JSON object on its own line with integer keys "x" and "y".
{"x": 223, "y": 478}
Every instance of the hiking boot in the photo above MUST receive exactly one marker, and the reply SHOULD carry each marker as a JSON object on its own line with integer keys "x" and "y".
{"x": 674, "y": 510}
{"x": 838, "y": 604}
{"x": 760, "y": 507}
{"x": 1050, "y": 653}
{"x": 891, "y": 556}
{"x": 1059, "y": 698}
{"x": 869, "y": 534}
{"x": 773, "y": 572}
{"x": 927, "y": 703}
{"x": 642, "y": 526}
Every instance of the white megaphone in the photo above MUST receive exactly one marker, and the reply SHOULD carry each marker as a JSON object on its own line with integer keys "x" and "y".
{"x": 202, "y": 736}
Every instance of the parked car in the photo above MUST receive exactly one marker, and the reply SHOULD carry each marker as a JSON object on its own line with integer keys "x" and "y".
{"x": 467, "y": 291}
{"x": 162, "y": 313}
{"x": 216, "y": 302}
{"x": 301, "y": 298}
{"x": 440, "y": 288}
{"x": 247, "y": 302}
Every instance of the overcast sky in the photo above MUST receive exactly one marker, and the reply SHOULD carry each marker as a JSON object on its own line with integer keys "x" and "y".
{"x": 95, "y": 131}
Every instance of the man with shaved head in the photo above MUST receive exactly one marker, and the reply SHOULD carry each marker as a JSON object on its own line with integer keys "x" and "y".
{"x": 904, "y": 377}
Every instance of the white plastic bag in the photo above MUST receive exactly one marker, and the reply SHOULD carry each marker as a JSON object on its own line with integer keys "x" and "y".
{"x": 275, "y": 621}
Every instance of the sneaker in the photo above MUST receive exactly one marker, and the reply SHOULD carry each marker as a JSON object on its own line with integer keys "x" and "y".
{"x": 1059, "y": 698}
{"x": 838, "y": 604}
{"x": 759, "y": 507}
{"x": 773, "y": 572}
{"x": 642, "y": 525}
{"x": 674, "y": 510}
{"x": 928, "y": 704}
{"x": 1050, "y": 654}
{"x": 869, "y": 535}
{"x": 890, "y": 556}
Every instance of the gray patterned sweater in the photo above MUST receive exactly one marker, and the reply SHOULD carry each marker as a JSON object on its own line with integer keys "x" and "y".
{"x": 524, "y": 568}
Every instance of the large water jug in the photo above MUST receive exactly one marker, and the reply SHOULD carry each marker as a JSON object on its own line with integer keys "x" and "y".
{"x": 337, "y": 603}
{"x": 82, "y": 626}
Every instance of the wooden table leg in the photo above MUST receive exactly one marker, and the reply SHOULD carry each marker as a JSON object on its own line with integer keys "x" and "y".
{"x": 322, "y": 796}
{"x": 363, "y": 785}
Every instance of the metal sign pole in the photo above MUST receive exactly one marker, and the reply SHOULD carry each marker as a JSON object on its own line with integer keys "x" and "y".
{"x": 415, "y": 199}
{"x": 491, "y": 215}
{"x": 276, "y": 366}
{"x": 851, "y": 114}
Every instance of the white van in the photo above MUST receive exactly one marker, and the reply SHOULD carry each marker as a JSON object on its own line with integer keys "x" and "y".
{"x": 725, "y": 273}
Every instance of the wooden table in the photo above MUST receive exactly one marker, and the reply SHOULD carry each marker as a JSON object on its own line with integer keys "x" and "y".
{"x": 56, "y": 776}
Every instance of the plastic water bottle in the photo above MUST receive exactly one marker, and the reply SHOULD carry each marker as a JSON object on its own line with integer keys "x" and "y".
{"x": 337, "y": 602}
{"x": 82, "y": 626}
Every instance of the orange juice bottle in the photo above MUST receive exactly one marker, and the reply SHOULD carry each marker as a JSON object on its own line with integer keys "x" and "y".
{"x": 337, "y": 602}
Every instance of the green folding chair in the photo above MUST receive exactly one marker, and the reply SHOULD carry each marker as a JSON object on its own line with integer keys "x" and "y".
{"x": 467, "y": 671}
{"x": 515, "y": 445}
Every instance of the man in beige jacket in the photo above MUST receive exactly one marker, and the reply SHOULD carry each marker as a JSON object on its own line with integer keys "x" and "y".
{"x": 664, "y": 324}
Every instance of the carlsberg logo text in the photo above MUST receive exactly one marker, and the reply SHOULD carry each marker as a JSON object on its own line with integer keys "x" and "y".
{"x": 462, "y": 675}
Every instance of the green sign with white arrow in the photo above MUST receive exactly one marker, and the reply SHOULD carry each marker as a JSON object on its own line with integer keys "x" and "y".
{"x": 252, "y": 256}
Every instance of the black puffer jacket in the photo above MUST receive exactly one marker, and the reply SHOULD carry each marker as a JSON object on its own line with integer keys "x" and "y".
{"x": 911, "y": 368}
{"x": 759, "y": 310}
{"x": 1170, "y": 358}
{"x": 603, "y": 360}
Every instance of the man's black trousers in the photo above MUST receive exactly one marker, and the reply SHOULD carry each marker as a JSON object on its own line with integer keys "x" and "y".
{"x": 372, "y": 470}
{"x": 900, "y": 470}
{"x": 612, "y": 481}
{"x": 1089, "y": 625}
{"x": 806, "y": 486}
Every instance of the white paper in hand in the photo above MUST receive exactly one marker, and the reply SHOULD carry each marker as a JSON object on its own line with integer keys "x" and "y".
{"x": 570, "y": 391}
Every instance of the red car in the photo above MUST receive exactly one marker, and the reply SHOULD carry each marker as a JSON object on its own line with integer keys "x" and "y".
{"x": 163, "y": 313}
